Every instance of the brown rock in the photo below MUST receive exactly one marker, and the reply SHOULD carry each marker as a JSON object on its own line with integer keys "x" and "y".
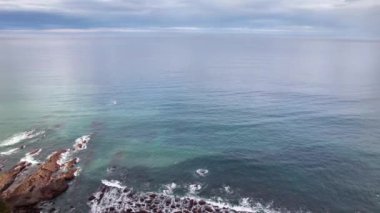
{"x": 48, "y": 181}
{"x": 7, "y": 178}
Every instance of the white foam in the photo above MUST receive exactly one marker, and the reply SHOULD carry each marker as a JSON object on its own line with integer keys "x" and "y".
{"x": 19, "y": 137}
{"x": 77, "y": 172}
{"x": 113, "y": 183}
{"x": 81, "y": 142}
{"x": 49, "y": 156}
{"x": 227, "y": 189}
{"x": 112, "y": 197}
{"x": 202, "y": 172}
{"x": 79, "y": 145}
{"x": 64, "y": 157}
{"x": 9, "y": 152}
{"x": 244, "y": 202}
{"x": 169, "y": 188}
{"x": 115, "y": 198}
{"x": 194, "y": 188}
{"x": 247, "y": 207}
{"x": 29, "y": 157}
{"x": 35, "y": 153}
{"x": 110, "y": 170}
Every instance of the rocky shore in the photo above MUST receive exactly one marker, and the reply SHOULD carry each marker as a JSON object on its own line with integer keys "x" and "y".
{"x": 30, "y": 182}
{"x": 30, "y": 185}
{"x": 113, "y": 197}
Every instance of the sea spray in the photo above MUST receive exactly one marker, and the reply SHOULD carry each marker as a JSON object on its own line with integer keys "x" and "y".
{"x": 9, "y": 152}
{"x": 115, "y": 196}
{"x": 19, "y": 137}
{"x": 29, "y": 157}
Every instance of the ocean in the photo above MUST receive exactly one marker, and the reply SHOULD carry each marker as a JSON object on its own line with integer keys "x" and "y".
{"x": 270, "y": 123}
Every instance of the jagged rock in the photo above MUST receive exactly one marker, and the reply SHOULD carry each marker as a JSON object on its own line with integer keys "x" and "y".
{"x": 118, "y": 198}
{"x": 22, "y": 188}
{"x": 7, "y": 178}
{"x": 202, "y": 202}
{"x": 47, "y": 182}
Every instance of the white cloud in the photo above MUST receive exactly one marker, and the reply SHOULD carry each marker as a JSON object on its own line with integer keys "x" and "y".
{"x": 349, "y": 15}
{"x": 70, "y": 5}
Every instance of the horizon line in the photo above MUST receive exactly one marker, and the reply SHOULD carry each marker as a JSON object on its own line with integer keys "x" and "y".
{"x": 304, "y": 31}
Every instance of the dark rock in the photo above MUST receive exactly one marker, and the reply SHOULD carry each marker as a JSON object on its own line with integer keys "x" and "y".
{"x": 202, "y": 202}
{"x": 4, "y": 207}
{"x": 209, "y": 209}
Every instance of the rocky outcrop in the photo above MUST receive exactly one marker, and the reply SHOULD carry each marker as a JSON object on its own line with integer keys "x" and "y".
{"x": 8, "y": 178}
{"x": 27, "y": 183}
{"x": 113, "y": 197}
{"x": 47, "y": 182}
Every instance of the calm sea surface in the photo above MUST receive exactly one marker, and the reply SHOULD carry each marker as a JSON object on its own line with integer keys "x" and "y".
{"x": 292, "y": 124}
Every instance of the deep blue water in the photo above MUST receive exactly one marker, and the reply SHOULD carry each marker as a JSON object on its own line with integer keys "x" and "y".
{"x": 290, "y": 123}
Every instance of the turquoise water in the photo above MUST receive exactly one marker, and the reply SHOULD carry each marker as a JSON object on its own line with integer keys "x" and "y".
{"x": 289, "y": 123}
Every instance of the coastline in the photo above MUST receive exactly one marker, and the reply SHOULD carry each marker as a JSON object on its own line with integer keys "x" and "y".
{"x": 32, "y": 185}
{"x": 30, "y": 182}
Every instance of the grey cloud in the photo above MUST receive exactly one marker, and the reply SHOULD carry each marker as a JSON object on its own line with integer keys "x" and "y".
{"x": 338, "y": 16}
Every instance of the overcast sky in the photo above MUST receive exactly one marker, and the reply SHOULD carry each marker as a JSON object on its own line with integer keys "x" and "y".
{"x": 338, "y": 17}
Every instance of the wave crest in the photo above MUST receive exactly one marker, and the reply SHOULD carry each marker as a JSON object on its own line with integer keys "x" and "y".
{"x": 19, "y": 137}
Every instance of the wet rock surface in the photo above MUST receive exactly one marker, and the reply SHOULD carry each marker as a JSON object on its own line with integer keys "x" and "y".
{"x": 125, "y": 199}
{"x": 30, "y": 182}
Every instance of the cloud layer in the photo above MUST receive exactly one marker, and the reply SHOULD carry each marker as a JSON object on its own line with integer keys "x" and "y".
{"x": 345, "y": 17}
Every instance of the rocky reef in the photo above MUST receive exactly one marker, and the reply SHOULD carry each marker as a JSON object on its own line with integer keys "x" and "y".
{"x": 30, "y": 182}
{"x": 114, "y": 197}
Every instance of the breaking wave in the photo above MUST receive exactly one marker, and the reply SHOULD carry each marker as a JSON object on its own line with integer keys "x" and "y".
{"x": 9, "y": 152}
{"x": 29, "y": 157}
{"x": 115, "y": 196}
{"x": 194, "y": 188}
{"x": 113, "y": 183}
{"x": 67, "y": 156}
{"x": 169, "y": 188}
{"x": 19, "y": 137}
{"x": 81, "y": 143}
